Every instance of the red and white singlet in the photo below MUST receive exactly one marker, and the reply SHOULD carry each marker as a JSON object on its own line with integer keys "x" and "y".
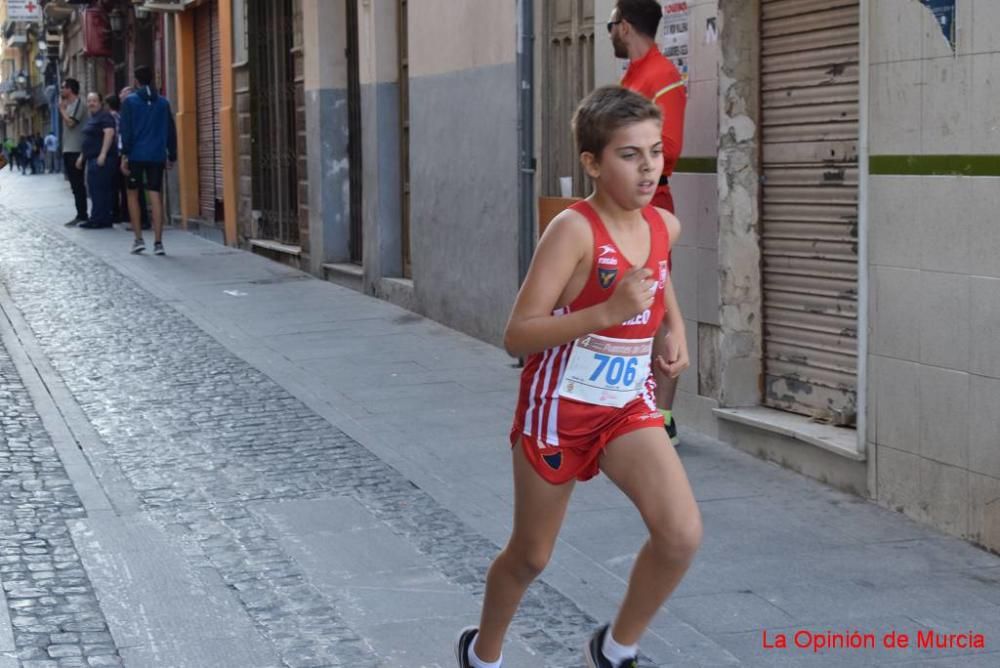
{"x": 577, "y": 397}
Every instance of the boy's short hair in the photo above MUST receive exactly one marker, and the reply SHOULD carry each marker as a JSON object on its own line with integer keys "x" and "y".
{"x": 144, "y": 75}
{"x": 604, "y": 111}
{"x": 644, "y": 15}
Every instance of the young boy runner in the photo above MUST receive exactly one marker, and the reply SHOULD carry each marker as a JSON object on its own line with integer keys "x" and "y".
{"x": 591, "y": 304}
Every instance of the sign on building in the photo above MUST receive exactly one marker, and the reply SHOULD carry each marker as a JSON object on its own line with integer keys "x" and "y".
{"x": 24, "y": 10}
{"x": 674, "y": 35}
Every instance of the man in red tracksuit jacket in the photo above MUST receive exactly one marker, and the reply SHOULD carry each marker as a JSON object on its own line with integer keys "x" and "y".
{"x": 633, "y": 27}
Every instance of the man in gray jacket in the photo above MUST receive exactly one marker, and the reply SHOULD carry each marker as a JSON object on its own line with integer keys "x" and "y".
{"x": 74, "y": 117}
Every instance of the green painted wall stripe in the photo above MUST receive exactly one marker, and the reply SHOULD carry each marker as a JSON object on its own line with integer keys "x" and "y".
{"x": 696, "y": 166}
{"x": 888, "y": 165}
{"x": 934, "y": 165}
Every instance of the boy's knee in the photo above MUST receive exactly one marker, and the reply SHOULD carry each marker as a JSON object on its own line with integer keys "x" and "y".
{"x": 535, "y": 562}
{"x": 528, "y": 564}
{"x": 679, "y": 541}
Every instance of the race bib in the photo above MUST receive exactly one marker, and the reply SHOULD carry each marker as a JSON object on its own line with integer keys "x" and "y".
{"x": 605, "y": 371}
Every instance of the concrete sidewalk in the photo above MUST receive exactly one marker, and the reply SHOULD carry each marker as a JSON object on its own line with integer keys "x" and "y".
{"x": 781, "y": 553}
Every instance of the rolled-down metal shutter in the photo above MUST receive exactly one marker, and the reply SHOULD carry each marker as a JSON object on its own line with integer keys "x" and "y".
{"x": 209, "y": 100}
{"x": 809, "y": 51}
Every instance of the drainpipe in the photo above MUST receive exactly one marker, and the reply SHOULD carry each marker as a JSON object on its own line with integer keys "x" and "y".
{"x": 863, "y": 191}
{"x": 526, "y": 135}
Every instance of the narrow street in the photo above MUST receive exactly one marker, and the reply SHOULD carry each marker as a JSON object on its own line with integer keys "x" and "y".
{"x": 211, "y": 460}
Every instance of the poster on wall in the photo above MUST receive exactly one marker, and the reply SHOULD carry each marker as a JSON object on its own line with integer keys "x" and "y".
{"x": 24, "y": 10}
{"x": 944, "y": 15}
{"x": 674, "y": 32}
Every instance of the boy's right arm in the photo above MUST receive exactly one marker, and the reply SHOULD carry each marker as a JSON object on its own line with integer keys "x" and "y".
{"x": 532, "y": 328}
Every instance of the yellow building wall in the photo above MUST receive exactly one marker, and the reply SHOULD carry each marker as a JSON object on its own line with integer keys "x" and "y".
{"x": 187, "y": 118}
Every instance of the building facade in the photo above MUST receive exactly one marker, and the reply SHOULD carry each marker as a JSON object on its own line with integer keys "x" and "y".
{"x": 24, "y": 71}
{"x": 839, "y": 266}
{"x": 380, "y": 159}
{"x": 838, "y": 269}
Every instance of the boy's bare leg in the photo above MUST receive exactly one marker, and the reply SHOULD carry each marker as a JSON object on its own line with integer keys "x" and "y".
{"x": 133, "y": 212}
{"x": 539, "y": 508}
{"x": 156, "y": 203}
{"x": 646, "y": 468}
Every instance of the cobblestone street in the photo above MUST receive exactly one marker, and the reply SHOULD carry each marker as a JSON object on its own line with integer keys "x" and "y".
{"x": 50, "y": 599}
{"x": 210, "y": 460}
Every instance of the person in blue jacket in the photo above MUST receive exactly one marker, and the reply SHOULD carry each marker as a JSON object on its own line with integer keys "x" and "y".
{"x": 149, "y": 145}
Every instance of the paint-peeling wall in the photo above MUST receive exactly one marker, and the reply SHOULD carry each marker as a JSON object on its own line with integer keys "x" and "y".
{"x": 739, "y": 337}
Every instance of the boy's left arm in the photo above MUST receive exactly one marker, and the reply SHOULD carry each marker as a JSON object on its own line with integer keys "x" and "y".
{"x": 673, "y": 354}
{"x": 670, "y": 346}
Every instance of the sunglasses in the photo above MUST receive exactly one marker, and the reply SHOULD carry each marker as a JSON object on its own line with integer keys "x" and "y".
{"x": 612, "y": 24}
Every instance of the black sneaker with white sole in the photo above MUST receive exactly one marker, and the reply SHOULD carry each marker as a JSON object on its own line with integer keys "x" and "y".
{"x": 595, "y": 656}
{"x": 463, "y": 644}
{"x": 158, "y": 248}
{"x": 138, "y": 246}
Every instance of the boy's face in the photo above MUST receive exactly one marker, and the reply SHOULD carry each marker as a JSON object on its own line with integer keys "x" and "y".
{"x": 630, "y": 166}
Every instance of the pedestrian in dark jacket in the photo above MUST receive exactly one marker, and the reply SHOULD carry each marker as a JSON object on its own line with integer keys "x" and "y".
{"x": 114, "y": 103}
{"x": 100, "y": 153}
{"x": 149, "y": 144}
{"x": 24, "y": 154}
{"x": 38, "y": 166}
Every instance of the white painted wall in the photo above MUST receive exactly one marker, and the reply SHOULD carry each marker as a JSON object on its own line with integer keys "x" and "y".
{"x": 934, "y": 417}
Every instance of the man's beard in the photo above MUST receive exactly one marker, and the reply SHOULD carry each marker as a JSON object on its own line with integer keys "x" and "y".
{"x": 620, "y": 50}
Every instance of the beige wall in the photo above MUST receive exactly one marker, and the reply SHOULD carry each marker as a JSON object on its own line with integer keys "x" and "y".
{"x": 934, "y": 412}
{"x": 463, "y": 162}
{"x": 448, "y": 36}
{"x": 376, "y": 41}
{"x": 607, "y": 69}
{"x": 324, "y": 36}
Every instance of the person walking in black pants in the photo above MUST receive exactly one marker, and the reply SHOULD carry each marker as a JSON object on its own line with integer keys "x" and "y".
{"x": 74, "y": 115}
{"x": 149, "y": 145}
